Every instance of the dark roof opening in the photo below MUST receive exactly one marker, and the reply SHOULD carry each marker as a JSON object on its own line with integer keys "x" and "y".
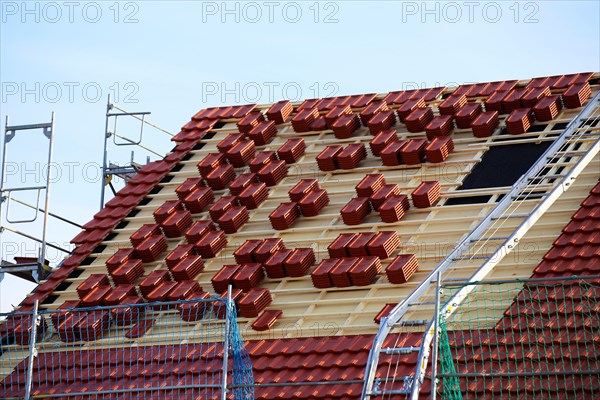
{"x": 177, "y": 167}
{"x": 88, "y": 261}
{"x": 108, "y": 237}
{"x": 76, "y": 272}
{"x": 219, "y": 125}
{"x": 50, "y": 299}
{"x": 187, "y": 156}
{"x": 99, "y": 249}
{"x": 537, "y": 128}
{"x": 454, "y": 201}
{"x": 122, "y": 224}
{"x": 211, "y": 134}
{"x": 63, "y": 286}
{"x": 156, "y": 189}
{"x": 168, "y": 178}
{"x": 500, "y": 166}
{"x": 133, "y": 213}
{"x": 560, "y": 126}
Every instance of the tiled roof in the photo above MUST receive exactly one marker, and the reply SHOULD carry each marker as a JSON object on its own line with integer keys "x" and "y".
{"x": 338, "y": 360}
{"x": 551, "y": 327}
{"x": 577, "y": 249}
{"x": 242, "y": 188}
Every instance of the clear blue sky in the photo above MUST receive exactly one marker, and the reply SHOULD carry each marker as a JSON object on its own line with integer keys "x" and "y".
{"x": 174, "y": 58}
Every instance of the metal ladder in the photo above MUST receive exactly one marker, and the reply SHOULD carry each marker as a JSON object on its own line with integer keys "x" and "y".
{"x": 550, "y": 176}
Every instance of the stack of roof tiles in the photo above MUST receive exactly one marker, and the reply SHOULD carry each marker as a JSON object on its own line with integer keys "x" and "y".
{"x": 576, "y": 95}
{"x": 274, "y": 265}
{"x": 221, "y": 176}
{"x": 326, "y": 160}
{"x": 413, "y": 152}
{"x": 391, "y": 153}
{"x": 284, "y": 216}
{"x": 241, "y": 153}
{"x": 313, "y": 202}
{"x": 452, "y": 104}
{"x": 248, "y": 276}
{"x": 220, "y": 206}
{"x": 440, "y": 126}
{"x": 304, "y": 118}
{"x": 382, "y": 140}
{"x": 262, "y": 158}
{"x": 417, "y": 120}
{"x": 268, "y": 247}
{"x": 356, "y": 210}
{"x": 484, "y": 124}
{"x": 427, "y": 194}
{"x": 409, "y": 106}
{"x": 381, "y": 121}
{"x": 272, "y": 173}
{"x": 339, "y": 247}
{"x": 198, "y": 229}
{"x": 394, "y": 208}
{"x": 292, "y": 150}
{"x": 211, "y": 243}
{"x": 128, "y": 272}
{"x": 382, "y": 194}
{"x": 253, "y": 195}
{"x": 547, "y": 108}
{"x": 263, "y": 133}
{"x": 187, "y": 268}
{"x": 345, "y": 125}
{"x": 181, "y": 251}
{"x": 250, "y": 121}
{"x": 151, "y": 248}
{"x": 439, "y": 149}
{"x": 254, "y": 302}
{"x": 280, "y": 111}
{"x": 177, "y": 223}
{"x": 402, "y": 268}
{"x": 466, "y": 114}
{"x": 519, "y": 121}
{"x": 299, "y": 261}
{"x": 350, "y": 156}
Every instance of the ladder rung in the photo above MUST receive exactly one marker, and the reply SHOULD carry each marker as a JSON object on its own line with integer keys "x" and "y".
{"x": 533, "y": 195}
{"x": 422, "y": 303}
{"x": 467, "y": 258}
{"x": 510, "y": 216}
{"x": 412, "y": 322}
{"x": 390, "y": 392}
{"x": 533, "y": 178}
{"x": 400, "y": 350}
{"x": 489, "y": 239}
{"x": 566, "y": 154}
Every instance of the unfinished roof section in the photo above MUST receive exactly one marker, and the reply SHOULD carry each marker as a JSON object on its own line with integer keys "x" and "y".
{"x": 332, "y": 207}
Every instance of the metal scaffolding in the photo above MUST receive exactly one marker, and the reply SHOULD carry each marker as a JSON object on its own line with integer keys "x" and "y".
{"x": 38, "y": 269}
{"x": 128, "y": 171}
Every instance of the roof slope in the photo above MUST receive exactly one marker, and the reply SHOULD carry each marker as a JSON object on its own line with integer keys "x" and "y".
{"x": 551, "y": 327}
{"x": 338, "y": 160}
{"x": 343, "y": 358}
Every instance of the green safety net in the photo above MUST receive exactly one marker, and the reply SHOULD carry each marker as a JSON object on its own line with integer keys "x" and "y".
{"x": 522, "y": 340}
